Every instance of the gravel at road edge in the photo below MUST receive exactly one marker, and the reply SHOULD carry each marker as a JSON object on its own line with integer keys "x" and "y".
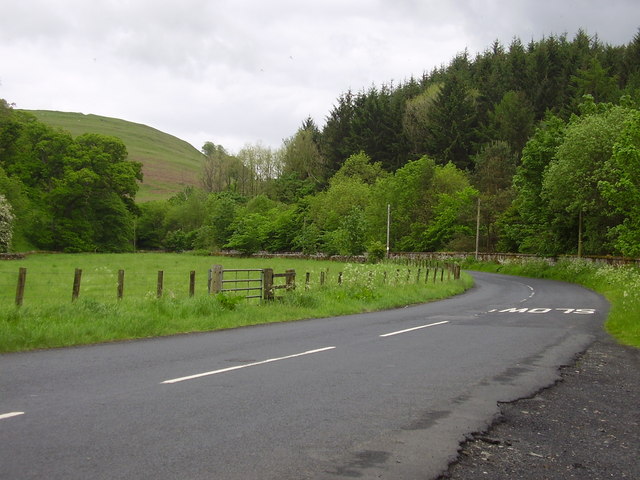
{"x": 586, "y": 426}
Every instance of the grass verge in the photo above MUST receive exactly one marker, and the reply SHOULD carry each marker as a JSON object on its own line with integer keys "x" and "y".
{"x": 619, "y": 285}
{"x": 48, "y": 318}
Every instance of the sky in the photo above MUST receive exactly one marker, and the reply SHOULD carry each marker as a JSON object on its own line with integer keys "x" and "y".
{"x": 248, "y": 72}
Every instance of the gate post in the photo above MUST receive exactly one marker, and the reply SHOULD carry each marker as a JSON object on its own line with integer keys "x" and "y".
{"x": 215, "y": 279}
{"x": 267, "y": 283}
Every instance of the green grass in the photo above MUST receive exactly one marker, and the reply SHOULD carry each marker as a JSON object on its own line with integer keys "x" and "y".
{"x": 48, "y": 318}
{"x": 169, "y": 164}
{"x": 619, "y": 285}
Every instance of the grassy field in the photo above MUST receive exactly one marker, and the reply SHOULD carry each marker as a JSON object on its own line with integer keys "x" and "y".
{"x": 48, "y": 318}
{"x": 620, "y": 285}
{"x": 169, "y": 164}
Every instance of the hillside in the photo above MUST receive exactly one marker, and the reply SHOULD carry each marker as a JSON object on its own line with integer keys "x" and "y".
{"x": 169, "y": 164}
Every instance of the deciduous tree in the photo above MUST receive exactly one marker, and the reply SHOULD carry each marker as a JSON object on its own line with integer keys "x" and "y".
{"x": 6, "y": 225}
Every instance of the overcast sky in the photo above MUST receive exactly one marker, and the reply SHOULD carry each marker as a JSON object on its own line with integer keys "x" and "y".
{"x": 239, "y": 72}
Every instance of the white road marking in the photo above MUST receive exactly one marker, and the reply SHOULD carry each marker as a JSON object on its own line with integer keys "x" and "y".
{"x": 533, "y": 292}
{"x": 10, "y": 414}
{"x": 564, "y": 310}
{"x": 238, "y": 367}
{"x": 414, "y": 328}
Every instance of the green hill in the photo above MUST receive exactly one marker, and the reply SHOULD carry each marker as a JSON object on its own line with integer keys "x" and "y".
{"x": 169, "y": 164}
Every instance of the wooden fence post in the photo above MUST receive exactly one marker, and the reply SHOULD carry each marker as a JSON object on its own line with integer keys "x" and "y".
{"x": 160, "y": 284}
{"x": 321, "y": 278}
{"x": 22, "y": 280}
{"x": 192, "y": 283}
{"x": 215, "y": 280}
{"x": 267, "y": 284}
{"x": 76, "y": 284}
{"x": 120, "y": 284}
{"x": 435, "y": 274}
{"x": 290, "y": 279}
{"x": 307, "y": 281}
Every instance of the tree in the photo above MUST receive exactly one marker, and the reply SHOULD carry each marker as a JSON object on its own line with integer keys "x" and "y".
{"x": 621, "y": 188}
{"x": 570, "y": 183}
{"x": 526, "y": 227}
{"x": 596, "y": 81}
{"x": 512, "y": 120}
{"x": 376, "y": 126}
{"x": 349, "y": 238}
{"x": 222, "y": 171}
{"x": 150, "y": 225}
{"x": 415, "y": 122}
{"x": 222, "y": 210}
{"x": 335, "y": 139}
{"x": 6, "y": 225}
{"x": 213, "y": 165}
{"x": 493, "y": 177}
{"x": 283, "y": 226}
{"x": 187, "y": 210}
{"x": 302, "y": 158}
{"x": 26, "y": 213}
{"x": 84, "y": 188}
{"x": 409, "y": 192}
{"x": 448, "y": 224}
{"x": 262, "y": 166}
{"x": 248, "y": 233}
{"x": 490, "y": 73}
{"x": 453, "y": 124}
{"x": 359, "y": 166}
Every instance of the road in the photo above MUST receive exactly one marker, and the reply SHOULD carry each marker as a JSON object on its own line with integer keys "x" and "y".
{"x": 380, "y": 395}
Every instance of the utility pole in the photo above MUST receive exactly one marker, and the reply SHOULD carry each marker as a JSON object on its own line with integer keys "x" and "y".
{"x": 478, "y": 229}
{"x": 388, "y": 226}
{"x": 580, "y": 234}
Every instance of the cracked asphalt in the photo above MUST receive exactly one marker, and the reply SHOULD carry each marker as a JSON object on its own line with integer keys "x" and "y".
{"x": 586, "y": 426}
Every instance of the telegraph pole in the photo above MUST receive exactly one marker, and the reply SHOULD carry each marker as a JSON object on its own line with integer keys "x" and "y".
{"x": 388, "y": 226}
{"x": 478, "y": 229}
{"x": 580, "y": 233}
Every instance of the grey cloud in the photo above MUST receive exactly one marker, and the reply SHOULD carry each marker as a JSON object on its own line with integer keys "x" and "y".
{"x": 243, "y": 70}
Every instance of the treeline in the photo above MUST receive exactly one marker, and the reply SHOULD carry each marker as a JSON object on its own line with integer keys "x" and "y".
{"x": 543, "y": 136}
{"x": 62, "y": 193}
{"x": 431, "y": 209}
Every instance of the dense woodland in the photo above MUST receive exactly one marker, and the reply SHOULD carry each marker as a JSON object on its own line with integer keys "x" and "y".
{"x": 544, "y": 137}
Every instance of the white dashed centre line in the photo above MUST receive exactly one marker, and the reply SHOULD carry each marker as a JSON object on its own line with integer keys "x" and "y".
{"x": 414, "y": 328}
{"x": 10, "y": 414}
{"x": 238, "y": 367}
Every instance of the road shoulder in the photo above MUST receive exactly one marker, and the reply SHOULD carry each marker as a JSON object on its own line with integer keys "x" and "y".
{"x": 587, "y": 425}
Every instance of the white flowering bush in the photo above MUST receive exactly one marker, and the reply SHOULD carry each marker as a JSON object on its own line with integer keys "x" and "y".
{"x": 6, "y": 224}
{"x": 624, "y": 279}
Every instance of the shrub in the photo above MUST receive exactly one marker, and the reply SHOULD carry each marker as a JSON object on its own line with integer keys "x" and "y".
{"x": 376, "y": 252}
{"x": 6, "y": 224}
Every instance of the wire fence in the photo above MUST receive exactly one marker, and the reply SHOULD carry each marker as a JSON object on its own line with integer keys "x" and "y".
{"x": 102, "y": 284}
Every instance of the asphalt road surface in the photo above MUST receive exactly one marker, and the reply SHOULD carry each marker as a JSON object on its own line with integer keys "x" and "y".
{"x": 383, "y": 395}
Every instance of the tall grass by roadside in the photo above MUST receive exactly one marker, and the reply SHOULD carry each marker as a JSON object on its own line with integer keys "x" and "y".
{"x": 620, "y": 285}
{"x": 49, "y": 319}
